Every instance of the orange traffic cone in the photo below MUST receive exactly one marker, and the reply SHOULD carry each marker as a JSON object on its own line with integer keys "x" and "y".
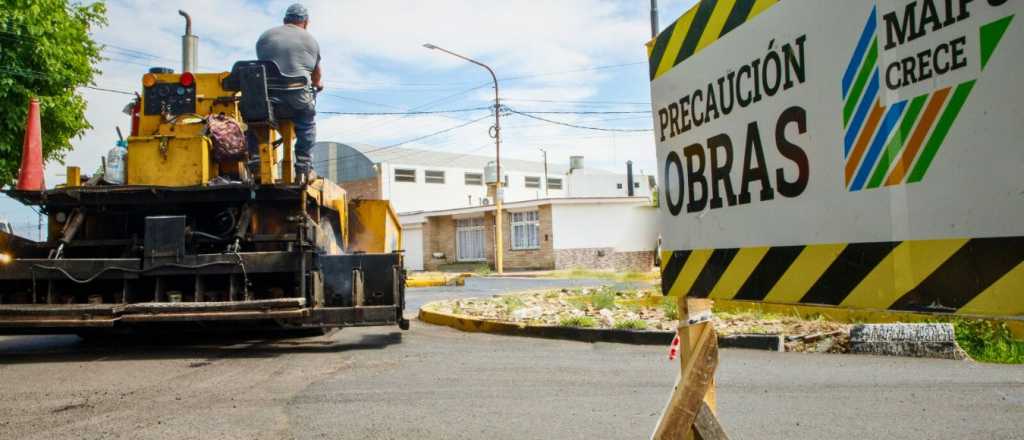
{"x": 30, "y": 177}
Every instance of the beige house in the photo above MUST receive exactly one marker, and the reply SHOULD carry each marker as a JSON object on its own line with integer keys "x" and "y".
{"x": 560, "y": 233}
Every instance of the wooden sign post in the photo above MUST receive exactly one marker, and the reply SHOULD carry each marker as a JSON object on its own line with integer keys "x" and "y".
{"x": 690, "y": 413}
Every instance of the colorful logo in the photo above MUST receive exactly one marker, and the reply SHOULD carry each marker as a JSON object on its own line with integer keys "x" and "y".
{"x": 896, "y": 144}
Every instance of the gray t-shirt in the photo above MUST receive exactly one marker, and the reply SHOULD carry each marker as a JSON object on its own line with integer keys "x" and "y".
{"x": 294, "y": 50}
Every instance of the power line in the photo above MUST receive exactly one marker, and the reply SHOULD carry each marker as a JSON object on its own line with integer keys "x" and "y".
{"x": 568, "y": 112}
{"x": 509, "y": 78}
{"x": 364, "y": 128}
{"x": 576, "y": 102}
{"x": 589, "y": 69}
{"x": 121, "y": 92}
{"x": 361, "y": 101}
{"x": 410, "y": 113}
{"x": 418, "y": 138}
{"x": 583, "y": 127}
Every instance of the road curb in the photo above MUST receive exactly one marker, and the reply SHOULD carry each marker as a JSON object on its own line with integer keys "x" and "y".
{"x": 437, "y": 280}
{"x": 907, "y": 340}
{"x": 474, "y": 325}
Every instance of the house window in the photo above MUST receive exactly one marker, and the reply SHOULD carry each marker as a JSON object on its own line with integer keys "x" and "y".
{"x": 636, "y": 184}
{"x": 618, "y": 185}
{"x": 554, "y": 183}
{"x": 433, "y": 176}
{"x": 469, "y": 239}
{"x": 475, "y": 179}
{"x": 525, "y": 230}
{"x": 505, "y": 184}
{"x": 405, "y": 175}
{"x": 532, "y": 182}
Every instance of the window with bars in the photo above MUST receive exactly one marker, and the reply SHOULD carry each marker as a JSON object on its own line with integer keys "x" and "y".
{"x": 405, "y": 175}
{"x": 554, "y": 183}
{"x": 475, "y": 179}
{"x": 525, "y": 230}
{"x": 532, "y": 182}
{"x": 432, "y": 176}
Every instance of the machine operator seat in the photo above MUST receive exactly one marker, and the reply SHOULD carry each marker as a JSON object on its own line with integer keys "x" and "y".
{"x": 257, "y": 80}
{"x": 262, "y": 84}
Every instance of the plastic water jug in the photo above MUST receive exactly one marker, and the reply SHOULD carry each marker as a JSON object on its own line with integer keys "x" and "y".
{"x": 113, "y": 171}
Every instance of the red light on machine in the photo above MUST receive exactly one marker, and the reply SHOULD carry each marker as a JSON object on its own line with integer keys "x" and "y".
{"x": 187, "y": 79}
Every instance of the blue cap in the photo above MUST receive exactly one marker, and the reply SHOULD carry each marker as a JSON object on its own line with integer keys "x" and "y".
{"x": 297, "y": 11}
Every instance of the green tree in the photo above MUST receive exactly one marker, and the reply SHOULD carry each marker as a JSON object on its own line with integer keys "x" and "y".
{"x": 45, "y": 52}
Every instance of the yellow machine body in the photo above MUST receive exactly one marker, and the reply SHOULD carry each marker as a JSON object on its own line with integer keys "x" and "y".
{"x": 373, "y": 227}
{"x": 169, "y": 161}
{"x": 171, "y": 150}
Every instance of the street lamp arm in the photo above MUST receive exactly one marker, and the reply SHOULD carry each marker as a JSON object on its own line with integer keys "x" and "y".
{"x": 499, "y": 192}
{"x": 489, "y": 70}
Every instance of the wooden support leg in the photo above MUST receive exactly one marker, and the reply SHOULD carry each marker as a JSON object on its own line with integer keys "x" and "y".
{"x": 690, "y": 411}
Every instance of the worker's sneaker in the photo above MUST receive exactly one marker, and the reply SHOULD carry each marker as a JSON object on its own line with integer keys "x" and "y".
{"x": 253, "y": 167}
{"x": 304, "y": 173}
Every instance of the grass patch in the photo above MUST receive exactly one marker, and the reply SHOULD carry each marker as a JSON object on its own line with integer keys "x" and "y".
{"x": 670, "y": 307}
{"x": 631, "y": 276}
{"x": 578, "y": 302}
{"x": 987, "y": 341}
{"x": 578, "y": 321}
{"x": 631, "y": 324}
{"x": 512, "y": 303}
{"x": 477, "y": 268}
{"x": 603, "y": 299}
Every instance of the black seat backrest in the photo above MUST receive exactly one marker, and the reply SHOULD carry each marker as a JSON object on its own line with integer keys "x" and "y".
{"x": 256, "y": 79}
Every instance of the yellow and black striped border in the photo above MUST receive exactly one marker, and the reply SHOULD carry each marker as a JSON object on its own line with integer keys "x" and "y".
{"x": 977, "y": 277}
{"x": 702, "y": 25}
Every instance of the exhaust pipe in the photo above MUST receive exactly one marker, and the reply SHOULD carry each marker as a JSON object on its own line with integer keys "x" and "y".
{"x": 189, "y": 46}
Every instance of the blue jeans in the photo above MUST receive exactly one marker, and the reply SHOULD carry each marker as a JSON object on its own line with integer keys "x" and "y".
{"x": 301, "y": 111}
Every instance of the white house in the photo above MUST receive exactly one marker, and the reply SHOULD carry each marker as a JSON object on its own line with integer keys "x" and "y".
{"x": 421, "y": 183}
{"x": 421, "y": 180}
{"x": 617, "y": 233}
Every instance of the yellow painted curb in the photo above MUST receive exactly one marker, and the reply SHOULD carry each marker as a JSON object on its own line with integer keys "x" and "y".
{"x": 433, "y": 280}
{"x": 466, "y": 323}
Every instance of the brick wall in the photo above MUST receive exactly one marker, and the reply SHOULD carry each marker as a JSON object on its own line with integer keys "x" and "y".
{"x": 365, "y": 189}
{"x": 536, "y": 259}
{"x": 603, "y": 258}
{"x": 439, "y": 236}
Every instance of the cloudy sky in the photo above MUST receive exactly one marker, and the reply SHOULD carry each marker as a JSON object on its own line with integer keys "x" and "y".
{"x": 559, "y": 55}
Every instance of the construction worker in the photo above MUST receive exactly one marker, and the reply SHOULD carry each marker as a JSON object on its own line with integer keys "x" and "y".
{"x": 296, "y": 53}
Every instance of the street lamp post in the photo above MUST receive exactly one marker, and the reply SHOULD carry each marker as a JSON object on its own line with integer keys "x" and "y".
{"x": 499, "y": 192}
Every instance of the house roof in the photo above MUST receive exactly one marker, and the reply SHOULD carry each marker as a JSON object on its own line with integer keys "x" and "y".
{"x": 421, "y": 216}
{"x": 434, "y": 158}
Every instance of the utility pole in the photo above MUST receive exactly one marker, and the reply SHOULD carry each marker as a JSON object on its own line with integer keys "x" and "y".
{"x": 545, "y": 171}
{"x": 499, "y": 192}
{"x": 655, "y": 26}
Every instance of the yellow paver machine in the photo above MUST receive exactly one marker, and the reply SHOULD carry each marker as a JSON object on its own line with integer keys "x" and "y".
{"x": 192, "y": 240}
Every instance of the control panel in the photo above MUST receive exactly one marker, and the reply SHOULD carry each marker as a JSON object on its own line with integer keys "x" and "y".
{"x": 169, "y": 98}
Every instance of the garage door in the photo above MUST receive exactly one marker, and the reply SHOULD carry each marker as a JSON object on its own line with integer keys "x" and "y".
{"x": 412, "y": 239}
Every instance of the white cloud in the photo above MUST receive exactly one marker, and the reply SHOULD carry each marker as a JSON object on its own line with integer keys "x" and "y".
{"x": 377, "y": 45}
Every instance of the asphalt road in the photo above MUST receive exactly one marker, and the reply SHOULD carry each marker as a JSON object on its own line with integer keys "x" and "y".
{"x": 433, "y": 382}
